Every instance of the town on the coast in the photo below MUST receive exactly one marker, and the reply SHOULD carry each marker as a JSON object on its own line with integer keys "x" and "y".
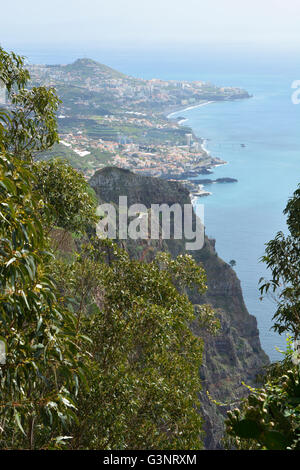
{"x": 108, "y": 118}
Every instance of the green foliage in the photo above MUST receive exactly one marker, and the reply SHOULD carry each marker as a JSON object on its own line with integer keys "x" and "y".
{"x": 70, "y": 201}
{"x": 270, "y": 417}
{"x": 282, "y": 257}
{"x": 12, "y": 72}
{"x": 44, "y": 360}
{"x": 32, "y": 126}
{"x": 43, "y": 353}
{"x": 144, "y": 358}
{"x": 93, "y": 161}
{"x": 207, "y": 320}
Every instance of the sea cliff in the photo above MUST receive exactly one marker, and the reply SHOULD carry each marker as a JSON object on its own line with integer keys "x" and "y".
{"x": 235, "y": 354}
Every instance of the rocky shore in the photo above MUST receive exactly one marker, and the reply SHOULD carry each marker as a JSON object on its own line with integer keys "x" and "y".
{"x": 203, "y": 169}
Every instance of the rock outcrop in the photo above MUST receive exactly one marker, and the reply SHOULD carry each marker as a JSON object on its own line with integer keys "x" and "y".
{"x": 112, "y": 182}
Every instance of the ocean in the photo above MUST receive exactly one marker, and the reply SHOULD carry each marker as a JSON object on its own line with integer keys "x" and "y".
{"x": 241, "y": 216}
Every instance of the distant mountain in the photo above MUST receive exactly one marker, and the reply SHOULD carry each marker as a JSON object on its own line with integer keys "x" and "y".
{"x": 87, "y": 88}
{"x": 90, "y": 67}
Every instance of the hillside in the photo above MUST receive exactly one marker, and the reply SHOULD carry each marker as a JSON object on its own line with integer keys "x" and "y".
{"x": 91, "y": 67}
{"x": 235, "y": 354}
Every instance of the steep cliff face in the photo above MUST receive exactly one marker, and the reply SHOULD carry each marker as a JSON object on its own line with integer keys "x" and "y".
{"x": 111, "y": 182}
{"x": 235, "y": 354}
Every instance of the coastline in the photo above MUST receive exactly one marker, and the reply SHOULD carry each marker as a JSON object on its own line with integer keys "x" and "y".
{"x": 202, "y": 141}
{"x": 169, "y": 116}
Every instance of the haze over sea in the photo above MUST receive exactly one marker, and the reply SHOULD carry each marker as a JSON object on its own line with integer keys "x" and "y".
{"x": 241, "y": 216}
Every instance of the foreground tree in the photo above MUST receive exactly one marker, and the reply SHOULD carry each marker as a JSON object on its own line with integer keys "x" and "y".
{"x": 43, "y": 354}
{"x": 270, "y": 417}
{"x": 32, "y": 125}
{"x": 145, "y": 359}
{"x": 71, "y": 203}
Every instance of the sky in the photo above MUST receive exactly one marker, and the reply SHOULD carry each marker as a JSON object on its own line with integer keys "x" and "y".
{"x": 144, "y": 23}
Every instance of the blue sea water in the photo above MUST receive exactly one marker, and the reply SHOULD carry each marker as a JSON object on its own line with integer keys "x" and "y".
{"x": 242, "y": 216}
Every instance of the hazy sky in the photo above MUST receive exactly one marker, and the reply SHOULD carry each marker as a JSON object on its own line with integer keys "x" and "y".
{"x": 143, "y": 22}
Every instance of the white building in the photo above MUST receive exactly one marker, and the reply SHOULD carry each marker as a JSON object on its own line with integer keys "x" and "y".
{"x": 189, "y": 139}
